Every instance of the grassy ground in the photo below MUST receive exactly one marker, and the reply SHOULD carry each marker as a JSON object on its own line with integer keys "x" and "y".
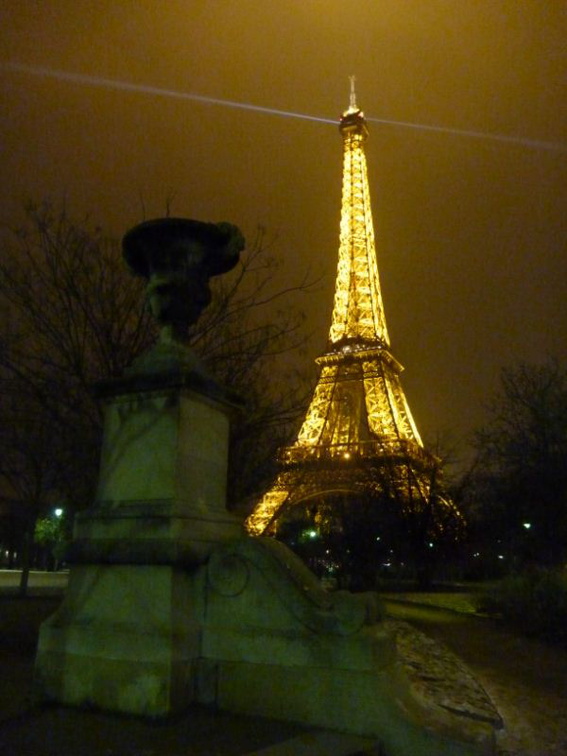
{"x": 461, "y": 602}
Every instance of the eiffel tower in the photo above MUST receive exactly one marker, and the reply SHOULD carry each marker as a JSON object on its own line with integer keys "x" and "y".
{"x": 358, "y": 437}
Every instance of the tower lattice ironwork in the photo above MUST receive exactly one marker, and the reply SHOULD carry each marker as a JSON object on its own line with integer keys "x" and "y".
{"x": 358, "y": 435}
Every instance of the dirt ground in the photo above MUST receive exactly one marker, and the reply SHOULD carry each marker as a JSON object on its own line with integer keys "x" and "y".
{"x": 526, "y": 679}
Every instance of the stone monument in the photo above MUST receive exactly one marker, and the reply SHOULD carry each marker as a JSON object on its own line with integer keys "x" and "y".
{"x": 127, "y": 635}
{"x": 169, "y": 603}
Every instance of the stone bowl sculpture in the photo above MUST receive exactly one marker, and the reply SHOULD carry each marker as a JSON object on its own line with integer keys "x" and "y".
{"x": 177, "y": 257}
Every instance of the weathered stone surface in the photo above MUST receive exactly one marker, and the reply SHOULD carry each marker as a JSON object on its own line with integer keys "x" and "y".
{"x": 128, "y": 633}
{"x": 162, "y": 487}
{"x": 125, "y": 639}
{"x": 164, "y": 445}
{"x": 127, "y": 636}
{"x": 439, "y": 678}
{"x": 274, "y": 644}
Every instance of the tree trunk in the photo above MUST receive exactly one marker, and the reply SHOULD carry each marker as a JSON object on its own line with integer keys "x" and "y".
{"x": 24, "y": 578}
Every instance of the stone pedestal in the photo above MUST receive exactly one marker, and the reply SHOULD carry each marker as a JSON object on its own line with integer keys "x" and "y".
{"x": 162, "y": 489}
{"x": 127, "y": 636}
{"x": 126, "y": 639}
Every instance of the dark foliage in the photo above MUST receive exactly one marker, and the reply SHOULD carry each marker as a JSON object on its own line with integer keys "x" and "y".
{"x": 74, "y": 315}
{"x": 516, "y": 493}
{"x": 535, "y": 603}
{"x": 361, "y": 540}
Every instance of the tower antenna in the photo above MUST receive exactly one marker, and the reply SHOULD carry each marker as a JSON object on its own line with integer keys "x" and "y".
{"x": 352, "y": 103}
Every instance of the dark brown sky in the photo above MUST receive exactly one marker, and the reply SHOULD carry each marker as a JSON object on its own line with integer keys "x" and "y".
{"x": 471, "y": 231}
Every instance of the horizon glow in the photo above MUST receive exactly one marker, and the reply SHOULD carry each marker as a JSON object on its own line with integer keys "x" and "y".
{"x": 97, "y": 81}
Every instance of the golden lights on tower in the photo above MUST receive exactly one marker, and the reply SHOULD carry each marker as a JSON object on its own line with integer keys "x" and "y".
{"x": 358, "y": 312}
{"x": 358, "y": 412}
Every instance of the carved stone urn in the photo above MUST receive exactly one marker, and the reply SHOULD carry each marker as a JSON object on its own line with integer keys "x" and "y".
{"x": 178, "y": 257}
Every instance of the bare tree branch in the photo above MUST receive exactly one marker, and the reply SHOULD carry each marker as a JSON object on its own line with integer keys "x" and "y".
{"x": 75, "y": 315}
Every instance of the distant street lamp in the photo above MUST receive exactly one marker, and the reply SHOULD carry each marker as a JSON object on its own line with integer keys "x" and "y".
{"x": 58, "y": 512}
{"x": 527, "y": 525}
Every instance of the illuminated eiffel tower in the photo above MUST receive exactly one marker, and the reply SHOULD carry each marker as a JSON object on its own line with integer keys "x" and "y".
{"x": 358, "y": 437}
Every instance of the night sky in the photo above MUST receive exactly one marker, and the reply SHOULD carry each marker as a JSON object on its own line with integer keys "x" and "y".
{"x": 471, "y": 230}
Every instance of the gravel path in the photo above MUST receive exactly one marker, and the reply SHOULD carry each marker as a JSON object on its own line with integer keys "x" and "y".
{"x": 526, "y": 679}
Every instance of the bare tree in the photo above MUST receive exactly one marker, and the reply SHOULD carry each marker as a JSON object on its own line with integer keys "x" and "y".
{"x": 516, "y": 493}
{"x": 399, "y": 520}
{"x": 74, "y": 315}
{"x": 250, "y": 338}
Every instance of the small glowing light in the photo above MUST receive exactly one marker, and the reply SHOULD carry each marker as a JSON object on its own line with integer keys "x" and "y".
{"x": 312, "y": 533}
{"x": 500, "y": 556}
{"x": 476, "y": 554}
{"x": 430, "y": 545}
{"x": 58, "y": 512}
{"x": 377, "y": 538}
{"x": 346, "y": 455}
{"x": 527, "y": 525}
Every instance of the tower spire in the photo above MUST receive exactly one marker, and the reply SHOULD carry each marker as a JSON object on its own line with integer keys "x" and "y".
{"x": 358, "y": 312}
{"x": 352, "y": 105}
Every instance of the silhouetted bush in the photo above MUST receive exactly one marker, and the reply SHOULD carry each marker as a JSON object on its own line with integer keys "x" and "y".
{"x": 534, "y": 602}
